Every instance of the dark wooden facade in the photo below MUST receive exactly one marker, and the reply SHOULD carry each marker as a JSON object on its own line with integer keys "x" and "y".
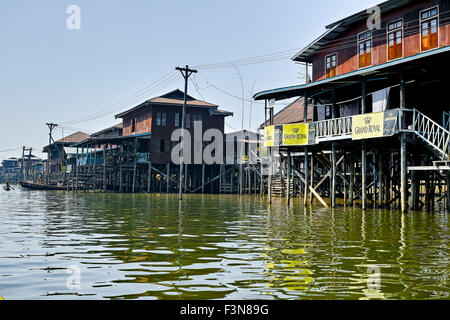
{"x": 160, "y": 116}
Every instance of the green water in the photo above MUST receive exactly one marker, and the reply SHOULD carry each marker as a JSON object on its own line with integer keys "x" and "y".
{"x": 215, "y": 247}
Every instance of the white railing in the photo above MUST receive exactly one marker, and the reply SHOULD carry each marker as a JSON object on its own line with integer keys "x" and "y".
{"x": 430, "y": 131}
{"x": 333, "y": 127}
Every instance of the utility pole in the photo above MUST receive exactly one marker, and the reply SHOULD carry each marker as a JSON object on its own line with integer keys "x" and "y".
{"x": 50, "y": 126}
{"x": 25, "y": 172}
{"x": 186, "y": 73}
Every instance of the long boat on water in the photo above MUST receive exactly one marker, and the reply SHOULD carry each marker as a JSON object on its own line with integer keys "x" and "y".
{"x": 40, "y": 186}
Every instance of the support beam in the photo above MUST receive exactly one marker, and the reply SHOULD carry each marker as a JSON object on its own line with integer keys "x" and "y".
{"x": 306, "y": 173}
{"x": 149, "y": 185}
{"x": 333, "y": 175}
{"x": 352, "y": 179}
{"x": 403, "y": 174}
{"x": 448, "y": 191}
{"x": 288, "y": 176}
{"x": 168, "y": 178}
{"x": 364, "y": 175}
{"x": 203, "y": 177}
{"x": 312, "y": 189}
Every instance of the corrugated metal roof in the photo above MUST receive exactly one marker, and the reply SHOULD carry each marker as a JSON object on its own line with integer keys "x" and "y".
{"x": 293, "y": 113}
{"x": 173, "y": 98}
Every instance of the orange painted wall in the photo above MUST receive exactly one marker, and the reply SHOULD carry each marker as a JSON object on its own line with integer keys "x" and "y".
{"x": 347, "y": 46}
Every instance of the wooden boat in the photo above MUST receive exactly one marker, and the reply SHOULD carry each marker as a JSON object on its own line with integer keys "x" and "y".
{"x": 39, "y": 186}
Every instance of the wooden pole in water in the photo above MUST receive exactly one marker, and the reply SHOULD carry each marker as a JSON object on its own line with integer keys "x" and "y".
{"x": 448, "y": 191}
{"x": 288, "y": 175}
{"x": 306, "y": 169}
{"x": 220, "y": 178}
{"x": 311, "y": 198}
{"x": 120, "y": 179}
{"x": 403, "y": 164}
{"x": 203, "y": 178}
{"x": 352, "y": 178}
{"x": 403, "y": 173}
{"x": 185, "y": 177}
{"x": 149, "y": 182}
{"x": 333, "y": 175}
{"x": 134, "y": 177}
{"x": 363, "y": 152}
{"x": 104, "y": 168}
{"x": 363, "y": 175}
{"x": 168, "y": 178}
{"x": 380, "y": 179}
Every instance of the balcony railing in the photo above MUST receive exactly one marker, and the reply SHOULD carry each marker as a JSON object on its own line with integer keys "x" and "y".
{"x": 332, "y": 129}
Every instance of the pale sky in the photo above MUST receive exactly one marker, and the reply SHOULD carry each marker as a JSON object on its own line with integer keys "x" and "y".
{"x": 49, "y": 73}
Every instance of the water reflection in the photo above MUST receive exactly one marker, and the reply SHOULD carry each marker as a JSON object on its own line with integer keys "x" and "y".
{"x": 215, "y": 247}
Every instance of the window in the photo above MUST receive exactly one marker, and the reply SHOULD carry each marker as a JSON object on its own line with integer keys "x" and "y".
{"x": 429, "y": 29}
{"x": 188, "y": 121}
{"x": 160, "y": 145}
{"x": 161, "y": 119}
{"x": 395, "y": 40}
{"x": 365, "y": 49}
{"x": 197, "y": 117}
{"x": 177, "y": 119}
{"x": 158, "y": 118}
{"x": 133, "y": 125}
{"x": 331, "y": 64}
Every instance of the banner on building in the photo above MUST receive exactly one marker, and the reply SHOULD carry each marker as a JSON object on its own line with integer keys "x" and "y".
{"x": 374, "y": 125}
{"x": 298, "y": 134}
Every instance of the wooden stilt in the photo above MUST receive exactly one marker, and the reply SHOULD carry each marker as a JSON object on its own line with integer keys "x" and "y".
{"x": 134, "y": 178}
{"x": 288, "y": 175}
{"x": 149, "y": 181}
{"x": 104, "y": 168}
{"x": 333, "y": 175}
{"x": 168, "y": 178}
{"x": 352, "y": 179}
{"x": 120, "y": 180}
{"x": 185, "y": 177}
{"x": 448, "y": 191}
{"x": 363, "y": 175}
{"x": 311, "y": 198}
{"x": 270, "y": 175}
{"x": 403, "y": 174}
{"x": 203, "y": 178}
{"x": 306, "y": 173}
{"x": 380, "y": 179}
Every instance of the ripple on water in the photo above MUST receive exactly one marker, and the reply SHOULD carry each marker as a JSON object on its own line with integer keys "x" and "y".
{"x": 214, "y": 247}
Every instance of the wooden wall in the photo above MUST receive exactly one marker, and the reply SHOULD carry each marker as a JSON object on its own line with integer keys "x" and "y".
{"x": 165, "y": 133}
{"x": 143, "y": 122}
{"x": 347, "y": 46}
{"x": 146, "y": 121}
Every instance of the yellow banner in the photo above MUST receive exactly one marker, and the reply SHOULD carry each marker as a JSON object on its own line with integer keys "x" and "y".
{"x": 295, "y": 134}
{"x": 370, "y": 125}
{"x": 268, "y": 136}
